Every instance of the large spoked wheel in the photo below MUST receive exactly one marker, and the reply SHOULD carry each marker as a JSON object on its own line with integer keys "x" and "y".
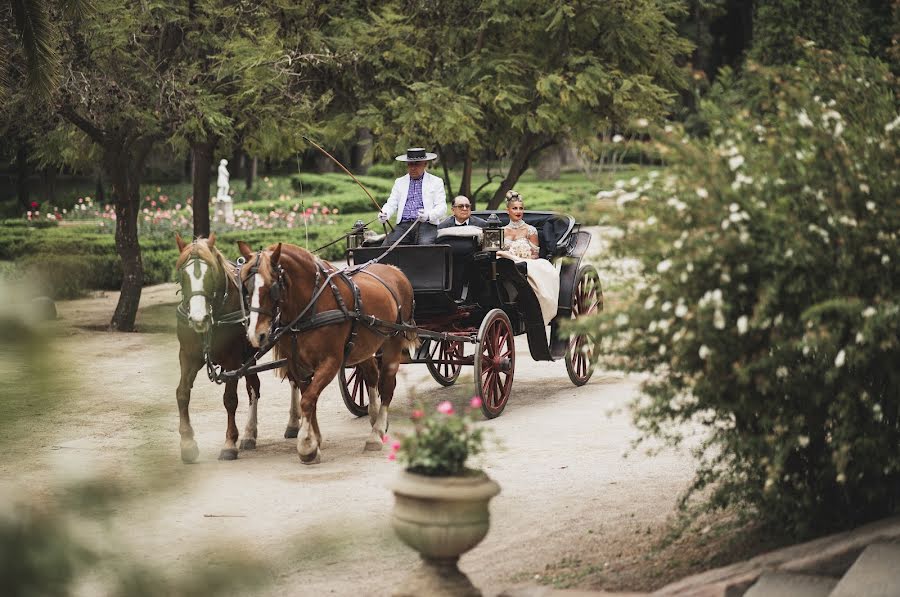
{"x": 354, "y": 391}
{"x": 445, "y": 373}
{"x": 495, "y": 362}
{"x": 587, "y": 299}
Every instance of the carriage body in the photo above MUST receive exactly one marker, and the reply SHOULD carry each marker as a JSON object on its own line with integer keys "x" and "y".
{"x": 465, "y": 295}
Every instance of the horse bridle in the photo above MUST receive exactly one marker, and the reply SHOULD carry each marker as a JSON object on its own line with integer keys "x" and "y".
{"x": 184, "y": 308}
{"x": 275, "y": 292}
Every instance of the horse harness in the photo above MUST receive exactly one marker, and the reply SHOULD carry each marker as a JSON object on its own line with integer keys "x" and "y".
{"x": 214, "y": 305}
{"x": 307, "y": 320}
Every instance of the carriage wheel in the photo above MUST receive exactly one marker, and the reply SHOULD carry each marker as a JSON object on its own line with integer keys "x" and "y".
{"x": 354, "y": 391}
{"x": 445, "y": 350}
{"x": 587, "y": 299}
{"x": 495, "y": 362}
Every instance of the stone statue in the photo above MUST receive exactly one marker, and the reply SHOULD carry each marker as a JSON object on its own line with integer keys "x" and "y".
{"x": 224, "y": 209}
{"x": 222, "y": 183}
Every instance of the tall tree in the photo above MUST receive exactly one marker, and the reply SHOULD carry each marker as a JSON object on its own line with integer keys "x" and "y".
{"x": 508, "y": 79}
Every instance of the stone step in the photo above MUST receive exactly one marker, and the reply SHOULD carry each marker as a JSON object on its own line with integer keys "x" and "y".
{"x": 791, "y": 584}
{"x": 875, "y": 573}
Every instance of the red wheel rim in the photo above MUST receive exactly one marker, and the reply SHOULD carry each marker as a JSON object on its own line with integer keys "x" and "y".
{"x": 355, "y": 392}
{"x": 497, "y": 359}
{"x": 445, "y": 350}
{"x": 587, "y": 301}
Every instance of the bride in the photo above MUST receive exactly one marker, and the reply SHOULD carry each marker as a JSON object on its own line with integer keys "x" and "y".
{"x": 521, "y": 243}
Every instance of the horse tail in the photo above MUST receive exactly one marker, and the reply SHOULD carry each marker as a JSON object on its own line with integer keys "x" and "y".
{"x": 281, "y": 372}
{"x": 411, "y": 340}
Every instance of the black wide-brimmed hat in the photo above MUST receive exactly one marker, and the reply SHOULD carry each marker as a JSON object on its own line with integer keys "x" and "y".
{"x": 416, "y": 154}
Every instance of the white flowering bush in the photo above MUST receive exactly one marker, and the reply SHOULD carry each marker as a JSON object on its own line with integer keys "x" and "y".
{"x": 768, "y": 305}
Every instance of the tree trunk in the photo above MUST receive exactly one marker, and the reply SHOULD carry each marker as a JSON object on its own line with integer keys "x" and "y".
{"x": 202, "y": 154}
{"x": 526, "y": 149}
{"x": 22, "y": 177}
{"x": 549, "y": 163}
{"x": 49, "y": 176}
{"x": 99, "y": 192}
{"x": 361, "y": 154}
{"x": 235, "y": 165}
{"x": 124, "y": 166}
{"x": 465, "y": 185}
{"x": 250, "y": 173}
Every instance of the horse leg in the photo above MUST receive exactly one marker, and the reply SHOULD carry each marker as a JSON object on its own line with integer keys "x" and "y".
{"x": 369, "y": 371}
{"x": 229, "y": 450}
{"x": 373, "y": 382}
{"x": 250, "y": 431}
{"x": 387, "y": 381}
{"x": 293, "y": 424}
{"x": 190, "y": 365}
{"x": 309, "y": 438}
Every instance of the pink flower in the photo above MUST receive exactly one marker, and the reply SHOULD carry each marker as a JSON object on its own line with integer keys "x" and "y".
{"x": 385, "y": 439}
{"x": 392, "y": 456}
{"x": 475, "y": 402}
{"x": 445, "y": 408}
{"x": 395, "y": 446}
{"x": 417, "y": 414}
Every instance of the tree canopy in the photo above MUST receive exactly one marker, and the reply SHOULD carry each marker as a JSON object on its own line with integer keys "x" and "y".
{"x": 507, "y": 79}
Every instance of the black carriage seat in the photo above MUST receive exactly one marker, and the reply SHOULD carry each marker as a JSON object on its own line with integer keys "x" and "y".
{"x": 554, "y": 230}
{"x": 464, "y": 242}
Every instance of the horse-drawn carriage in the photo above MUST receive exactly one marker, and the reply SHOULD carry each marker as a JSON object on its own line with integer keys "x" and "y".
{"x": 471, "y": 304}
{"x": 359, "y": 324}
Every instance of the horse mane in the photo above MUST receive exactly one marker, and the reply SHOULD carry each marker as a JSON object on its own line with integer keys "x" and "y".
{"x": 200, "y": 248}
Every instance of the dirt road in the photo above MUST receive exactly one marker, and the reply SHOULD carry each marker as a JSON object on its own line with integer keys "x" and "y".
{"x": 566, "y": 489}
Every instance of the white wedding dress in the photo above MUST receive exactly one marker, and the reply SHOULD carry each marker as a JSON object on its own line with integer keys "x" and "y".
{"x": 543, "y": 277}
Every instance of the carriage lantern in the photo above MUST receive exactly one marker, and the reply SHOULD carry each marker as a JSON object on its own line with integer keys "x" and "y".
{"x": 492, "y": 234}
{"x": 357, "y": 235}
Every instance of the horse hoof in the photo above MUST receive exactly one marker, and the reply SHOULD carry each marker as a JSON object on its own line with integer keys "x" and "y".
{"x": 248, "y": 444}
{"x": 189, "y": 454}
{"x": 291, "y": 432}
{"x": 373, "y": 446}
{"x": 228, "y": 454}
{"x": 313, "y": 458}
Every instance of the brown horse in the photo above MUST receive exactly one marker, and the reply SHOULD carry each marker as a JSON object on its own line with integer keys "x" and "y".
{"x": 211, "y": 332}
{"x": 334, "y": 319}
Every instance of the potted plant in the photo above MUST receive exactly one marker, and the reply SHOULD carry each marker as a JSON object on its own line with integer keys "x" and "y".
{"x": 441, "y": 507}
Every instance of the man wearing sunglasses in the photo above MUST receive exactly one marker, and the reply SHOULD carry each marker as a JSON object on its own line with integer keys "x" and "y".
{"x": 418, "y": 199}
{"x": 461, "y": 209}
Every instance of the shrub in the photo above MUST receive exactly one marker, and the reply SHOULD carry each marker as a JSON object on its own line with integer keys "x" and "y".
{"x": 390, "y": 171}
{"x": 769, "y": 310}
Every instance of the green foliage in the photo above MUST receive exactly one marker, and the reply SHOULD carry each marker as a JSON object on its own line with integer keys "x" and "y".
{"x": 506, "y": 79}
{"x": 390, "y": 171}
{"x": 49, "y": 542}
{"x": 777, "y": 25}
{"x": 769, "y": 309}
{"x": 442, "y": 441}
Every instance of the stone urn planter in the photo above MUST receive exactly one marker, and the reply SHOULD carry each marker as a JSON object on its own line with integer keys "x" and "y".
{"x": 441, "y": 518}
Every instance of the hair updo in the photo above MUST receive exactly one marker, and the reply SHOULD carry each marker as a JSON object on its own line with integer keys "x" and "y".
{"x": 512, "y": 195}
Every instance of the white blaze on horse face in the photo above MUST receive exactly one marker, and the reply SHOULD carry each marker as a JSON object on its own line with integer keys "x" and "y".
{"x": 252, "y": 335}
{"x": 198, "y": 310}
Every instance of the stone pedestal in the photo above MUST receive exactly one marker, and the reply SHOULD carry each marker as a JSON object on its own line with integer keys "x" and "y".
{"x": 224, "y": 211}
{"x": 437, "y": 578}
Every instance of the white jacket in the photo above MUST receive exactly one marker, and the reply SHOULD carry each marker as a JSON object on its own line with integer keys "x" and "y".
{"x": 434, "y": 199}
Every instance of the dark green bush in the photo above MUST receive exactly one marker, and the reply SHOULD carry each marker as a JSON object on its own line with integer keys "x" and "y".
{"x": 312, "y": 184}
{"x": 389, "y": 171}
{"x": 769, "y": 308}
